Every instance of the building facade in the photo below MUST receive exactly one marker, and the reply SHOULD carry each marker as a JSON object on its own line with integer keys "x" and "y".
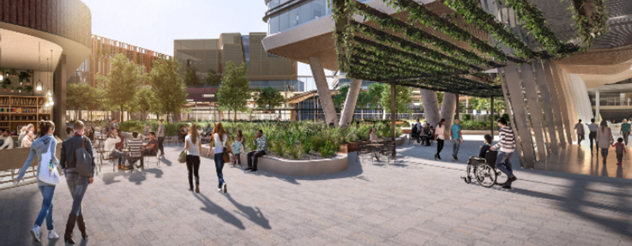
{"x": 264, "y": 69}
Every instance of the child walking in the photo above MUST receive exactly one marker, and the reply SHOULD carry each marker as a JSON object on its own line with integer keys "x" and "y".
{"x": 620, "y": 149}
{"x": 237, "y": 150}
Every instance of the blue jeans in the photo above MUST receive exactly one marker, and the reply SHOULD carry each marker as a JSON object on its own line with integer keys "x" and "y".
{"x": 78, "y": 186}
{"x": 219, "y": 165}
{"x": 48, "y": 192}
{"x": 456, "y": 145}
{"x": 604, "y": 153}
{"x": 503, "y": 163}
{"x": 120, "y": 155}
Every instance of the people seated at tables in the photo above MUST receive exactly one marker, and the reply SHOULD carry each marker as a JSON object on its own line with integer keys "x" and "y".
{"x": 110, "y": 146}
{"x": 426, "y": 134}
{"x": 486, "y": 146}
{"x": 207, "y": 130}
{"x": 372, "y": 135}
{"x": 28, "y": 139}
{"x": 8, "y": 141}
{"x": 89, "y": 131}
{"x": 23, "y": 132}
{"x": 146, "y": 130}
{"x": 151, "y": 148}
{"x": 182, "y": 133}
{"x": 120, "y": 145}
{"x": 135, "y": 146}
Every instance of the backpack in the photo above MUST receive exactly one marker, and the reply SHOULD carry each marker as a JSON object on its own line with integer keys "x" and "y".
{"x": 414, "y": 130}
{"x": 83, "y": 160}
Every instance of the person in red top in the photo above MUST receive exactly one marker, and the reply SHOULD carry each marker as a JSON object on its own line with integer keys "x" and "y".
{"x": 620, "y": 149}
{"x": 121, "y": 144}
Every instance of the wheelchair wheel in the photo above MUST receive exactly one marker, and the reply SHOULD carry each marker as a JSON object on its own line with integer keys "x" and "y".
{"x": 486, "y": 175}
{"x": 469, "y": 173}
{"x": 501, "y": 178}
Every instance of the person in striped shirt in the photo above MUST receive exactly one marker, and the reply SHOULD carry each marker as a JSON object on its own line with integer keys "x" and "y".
{"x": 506, "y": 145}
{"x": 135, "y": 146}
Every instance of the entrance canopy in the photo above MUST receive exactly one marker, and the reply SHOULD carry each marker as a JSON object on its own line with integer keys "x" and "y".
{"x": 448, "y": 45}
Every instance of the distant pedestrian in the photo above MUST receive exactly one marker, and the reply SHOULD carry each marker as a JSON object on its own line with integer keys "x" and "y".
{"x": 604, "y": 139}
{"x": 237, "y": 145}
{"x": 457, "y": 139}
{"x": 161, "y": 138}
{"x": 506, "y": 145}
{"x": 46, "y": 144}
{"x": 439, "y": 136}
{"x": 219, "y": 138}
{"x": 620, "y": 149}
{"x": 579, "y": 128}
{"x": 625, "y": 130}
{"x": 77, "y": 183}
{"x": 592, "y": 136}
{"x": 193, "y": 145}
{"x": 146, "y": 133}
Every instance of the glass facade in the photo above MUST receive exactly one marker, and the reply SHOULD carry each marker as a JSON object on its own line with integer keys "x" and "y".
{"x": 245, "y": 40}
{"x": 297, "y": 15}
{"x": 281, "y": 85}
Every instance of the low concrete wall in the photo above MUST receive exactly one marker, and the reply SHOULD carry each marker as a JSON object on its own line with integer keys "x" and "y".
{"x": 294, "y": 167}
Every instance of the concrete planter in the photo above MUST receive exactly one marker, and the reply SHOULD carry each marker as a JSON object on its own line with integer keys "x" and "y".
{"x": 294, "y": 167}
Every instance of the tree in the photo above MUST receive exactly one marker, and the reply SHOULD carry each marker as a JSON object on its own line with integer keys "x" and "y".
{"x": 97, "y": 101}
{"x": 234, "y": 91}
{"x": 213, "y": 78}
{"x": 268, "y": 98}
{"x": 403, "y": 97}
{"x": 169, "y": 91}
{"x": 145, "y": 101}
{"x": 78, "y": 96}
{"x": 190, "y": 77}
{"x": 122, "y": 82}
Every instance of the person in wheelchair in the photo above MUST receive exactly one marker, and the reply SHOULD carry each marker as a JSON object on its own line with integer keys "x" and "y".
{"x": 475, "y": 160}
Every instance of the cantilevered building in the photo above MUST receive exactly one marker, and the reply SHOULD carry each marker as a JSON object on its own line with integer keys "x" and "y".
{"x": 263, "y": 69}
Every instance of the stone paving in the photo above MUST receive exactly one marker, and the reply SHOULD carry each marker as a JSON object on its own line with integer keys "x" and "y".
{"x": 410, "y": 202}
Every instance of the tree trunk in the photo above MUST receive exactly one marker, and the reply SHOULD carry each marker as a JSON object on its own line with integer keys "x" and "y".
{"x": 447, "y": 109}
{"x": 431, "y": 106}
{"x": 235, "y": 117}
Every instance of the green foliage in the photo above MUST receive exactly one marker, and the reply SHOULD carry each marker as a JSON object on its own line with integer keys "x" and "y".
{"x": 340, "y": 98}
{"x": 169, "y": 90}
{"x": 122, "y": 82}
{"x": 234, "y": 91}
{"x": 190, "y": 77}
{"x": 213, "y": 78}
{"x": 268, "y": 98}
{"x": 145, "y": 102}
{"x": 403, "y": 97}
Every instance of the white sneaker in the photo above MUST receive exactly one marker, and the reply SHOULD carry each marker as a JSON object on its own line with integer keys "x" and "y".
{"x": 52, "y": 235}
{"x": 36, "y": 233}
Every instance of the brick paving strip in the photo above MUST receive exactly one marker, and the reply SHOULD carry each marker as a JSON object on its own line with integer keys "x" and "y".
{"x": 410, "y": 202}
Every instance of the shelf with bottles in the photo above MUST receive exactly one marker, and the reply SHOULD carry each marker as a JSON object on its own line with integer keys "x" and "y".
{"x": 18, "y": 110}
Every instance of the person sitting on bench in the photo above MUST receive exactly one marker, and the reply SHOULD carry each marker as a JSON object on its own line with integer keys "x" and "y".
{"x": 426, "y": 134}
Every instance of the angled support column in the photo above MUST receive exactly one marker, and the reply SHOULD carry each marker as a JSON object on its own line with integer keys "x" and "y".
{"x": 570, "y": 102}
{"x": 556, "y": 103}
{"x": 431, "y": 106}
{"x": 523, "y": 136}
{"x": 547, "y": 105}
{"x": 350, "y": 102}
{"x": 323, "y": 90}
{"x": 59, "y": 92}
{"x": 448, "y": 106}
{"x": 534, "y": 109}
{"x": 563, "y": 104}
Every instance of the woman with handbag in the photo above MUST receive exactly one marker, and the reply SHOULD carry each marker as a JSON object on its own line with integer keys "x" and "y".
{"x": 193, "y": 146}
{"x": 219, "y": 139}
{"x": 47, "y": 176}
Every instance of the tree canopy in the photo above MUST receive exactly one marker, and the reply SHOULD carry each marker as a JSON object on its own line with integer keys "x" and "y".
{"x": 190, "y": 77}
{"x": 213, "y": 78}
{"x": 268, "y": 98}
{"x": 169, "y": 91}
{"x": 122, "y": 82}
{"x": 403, "y": 97}
{"x": 234, "y": 91}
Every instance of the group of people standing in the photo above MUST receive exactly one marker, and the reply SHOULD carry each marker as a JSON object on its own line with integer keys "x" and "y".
{"x": 602, "y": 135}
{"x": 222, "y": 152}
{"x": 425, "y": 133}
{"x": 78, "y": 183}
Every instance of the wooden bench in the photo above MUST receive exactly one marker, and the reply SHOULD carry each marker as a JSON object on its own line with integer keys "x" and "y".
{"x": 13, "y": 159}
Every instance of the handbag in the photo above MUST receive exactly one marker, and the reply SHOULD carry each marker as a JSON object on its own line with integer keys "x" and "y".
{"x": 47, "y": 169}
{"x": 183, "y": 157}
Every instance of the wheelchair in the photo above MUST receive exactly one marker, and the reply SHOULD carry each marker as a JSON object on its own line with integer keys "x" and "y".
{"x": 484, "y": 171}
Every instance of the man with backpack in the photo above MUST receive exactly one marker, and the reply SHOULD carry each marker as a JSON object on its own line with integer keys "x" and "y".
{"x": 77, "y": 162}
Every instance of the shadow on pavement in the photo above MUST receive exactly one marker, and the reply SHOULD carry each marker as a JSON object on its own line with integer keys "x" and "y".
{"x": 221, "y": 213}
{"x": 253, "y": 214}
{"x": 136, "y": 176}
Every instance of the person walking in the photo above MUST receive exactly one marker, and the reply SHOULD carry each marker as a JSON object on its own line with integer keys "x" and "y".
{"x": 219, "y": 138}
{"x": 77, "y": 183}
{"x": 507, "y": 145}
{"x": 439, "y": 136}
{"x": 625, "y": 131}
{"x": 592, "y": 136}
{"x": 193, "y": 145}
{"x": 604, "y": 139}
{"x": 579, "y": 128}
{"x": 457, "y": 139}
{"x": 620, "y": 149}
{"x": 46, "y": 143}
{"x": 161, "y": 138}
{"x": 262, "y": 149}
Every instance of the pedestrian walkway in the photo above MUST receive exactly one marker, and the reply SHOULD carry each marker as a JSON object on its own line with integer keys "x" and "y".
{"x": 410, "y": 202}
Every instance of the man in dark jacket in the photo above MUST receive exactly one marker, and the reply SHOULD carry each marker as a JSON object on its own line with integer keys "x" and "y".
{"x": 76, "y": 183}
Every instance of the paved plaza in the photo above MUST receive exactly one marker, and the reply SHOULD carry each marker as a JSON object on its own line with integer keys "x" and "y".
{"x": 413, "y": 201}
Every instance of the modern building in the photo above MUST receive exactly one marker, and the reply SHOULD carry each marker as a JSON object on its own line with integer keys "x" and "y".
{"x": 264, "y": 69}
{"x": 103, "y": 50}
{"x": 41, "y": 45}
{"x": 303, "y": 31}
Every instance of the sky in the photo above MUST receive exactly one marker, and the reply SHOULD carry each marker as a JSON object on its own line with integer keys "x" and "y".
{"x": 154, "y": 24}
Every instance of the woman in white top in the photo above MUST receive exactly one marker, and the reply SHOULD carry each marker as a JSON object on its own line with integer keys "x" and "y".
{"x": 25, "y": 130}
{"x": 110, "y": 146}
{"x": 219, "y": 142}
{"x": 28, "y": 139}
{"x": 439, "y": 137}
{"x": 193, "y": 145}
{"x": 372, "y": 135}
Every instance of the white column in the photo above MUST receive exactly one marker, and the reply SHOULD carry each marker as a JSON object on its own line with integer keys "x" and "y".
{"x": 323, "y": 90}
{"x": 597, "y": 106}
{"x": 431, "y": 106}
{"x": 350, "y": 102}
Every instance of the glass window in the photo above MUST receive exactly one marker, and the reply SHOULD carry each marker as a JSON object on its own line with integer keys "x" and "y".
{"x": 305, "y": 13}
{"x": 294, "y": 17}
{"x": 284, "y": 21}
{"x": 274, "y": 24}
{"x": 318, "y": 8}
{"x": 272, "y": 4}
